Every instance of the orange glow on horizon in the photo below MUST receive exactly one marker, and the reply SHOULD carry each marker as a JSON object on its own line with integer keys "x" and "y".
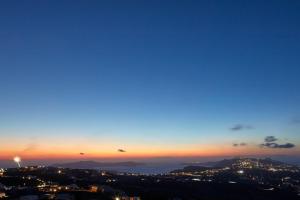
{"x": 207, "y": 151}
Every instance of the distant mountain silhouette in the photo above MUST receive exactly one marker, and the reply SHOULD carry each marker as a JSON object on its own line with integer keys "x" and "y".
{"x": 94, "y": 164}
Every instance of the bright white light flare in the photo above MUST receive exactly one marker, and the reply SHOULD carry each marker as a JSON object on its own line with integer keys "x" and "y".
{"x": 17, "y": 160}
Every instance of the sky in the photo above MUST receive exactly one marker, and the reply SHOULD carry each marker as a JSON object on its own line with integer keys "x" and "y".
{"x": 152, "y": 78}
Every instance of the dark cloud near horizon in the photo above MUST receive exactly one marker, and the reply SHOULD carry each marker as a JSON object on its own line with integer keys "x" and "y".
{"x": 270, "y": 139}
{"x": 81, "y": 153}
{"x": 242, "y": 144}
{"x": 121, "y": 150}
{"x": 239, "y": 127}
{"x": 274, "y": 145}
{"x": 270, "y": 142}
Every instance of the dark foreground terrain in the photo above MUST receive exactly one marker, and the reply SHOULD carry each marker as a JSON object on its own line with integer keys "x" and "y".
{"x": 247, "y": 179}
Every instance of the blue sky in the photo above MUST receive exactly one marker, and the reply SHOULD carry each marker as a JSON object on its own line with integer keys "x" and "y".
{"x": 165, "y": 72}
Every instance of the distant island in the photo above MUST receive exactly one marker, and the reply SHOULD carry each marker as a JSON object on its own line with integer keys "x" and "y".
{"x": 237, "y": 163}
{"x": 94, "y": 164}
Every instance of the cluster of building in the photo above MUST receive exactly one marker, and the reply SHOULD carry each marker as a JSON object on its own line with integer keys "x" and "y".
{"x": 32, "y": 183}
{"x": 266, "y": 172}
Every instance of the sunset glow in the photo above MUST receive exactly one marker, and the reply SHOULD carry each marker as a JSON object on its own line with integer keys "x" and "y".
{"x": 99, "y": 82}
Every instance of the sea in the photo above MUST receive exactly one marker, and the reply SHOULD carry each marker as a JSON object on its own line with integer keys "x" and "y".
{"x": 153, "y": 166}
{"x": 148, "y": 168}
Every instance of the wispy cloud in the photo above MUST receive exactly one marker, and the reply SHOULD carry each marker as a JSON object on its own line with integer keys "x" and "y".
{"x": 242, "y": 144}
{"x": 295, "y": 120}
{"x": 30, "y": 147}
{"x": 239, "y": 127}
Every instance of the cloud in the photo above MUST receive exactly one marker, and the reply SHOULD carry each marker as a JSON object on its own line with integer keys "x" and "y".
{"x": 274, "y": 145}
{"x": 81, "y": 153}
{"x": 270, "y": 139}
{"x": 270, "y": 142}
{"x": 239, "y": 127}
{"x": 121, "y": 150}
{"x": 295, "y": 120}
{"x": 30, "y": 147}
{"x": 242, "y": 144}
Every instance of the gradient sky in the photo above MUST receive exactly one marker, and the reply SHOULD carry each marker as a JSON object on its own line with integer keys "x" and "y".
{"x": 155, "y": 78}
